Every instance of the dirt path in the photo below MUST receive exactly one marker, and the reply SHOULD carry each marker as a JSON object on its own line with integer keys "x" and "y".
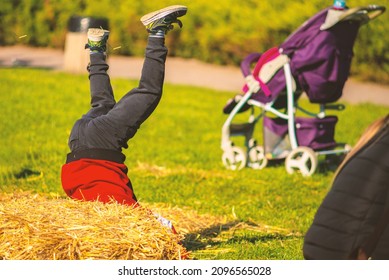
{"x": 179, "y": 71}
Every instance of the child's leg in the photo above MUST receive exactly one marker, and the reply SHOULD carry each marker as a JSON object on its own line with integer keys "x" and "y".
{"x": 102, "y": 98}
{"x": 138, "y": 104}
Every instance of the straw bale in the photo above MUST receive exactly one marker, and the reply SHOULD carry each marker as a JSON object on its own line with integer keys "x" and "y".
{"x": 40, "y": 227}
{"x": 35, "y": 227}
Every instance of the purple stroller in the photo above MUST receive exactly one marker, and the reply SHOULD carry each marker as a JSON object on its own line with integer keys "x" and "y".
{"x": 314, "y": 60}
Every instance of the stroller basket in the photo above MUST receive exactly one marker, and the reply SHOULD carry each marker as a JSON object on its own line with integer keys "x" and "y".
{"x": 318, "y": 134}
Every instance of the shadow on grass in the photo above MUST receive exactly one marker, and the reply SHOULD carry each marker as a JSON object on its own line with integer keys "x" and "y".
{"x": 326, "y": 164}
{"x": 232, "y": 233}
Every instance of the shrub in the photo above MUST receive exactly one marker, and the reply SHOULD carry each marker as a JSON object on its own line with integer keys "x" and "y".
{"x": 221, "y": 32}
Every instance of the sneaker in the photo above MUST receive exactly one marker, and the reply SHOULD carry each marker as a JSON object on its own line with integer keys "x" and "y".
{"x": 97, "y": 40}
{"x": 163, "y": 19}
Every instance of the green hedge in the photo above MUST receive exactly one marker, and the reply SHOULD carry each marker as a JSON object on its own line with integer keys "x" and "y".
{"x": 220, "y": 32}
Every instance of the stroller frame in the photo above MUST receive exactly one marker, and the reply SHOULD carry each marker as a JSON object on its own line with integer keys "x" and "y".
{"x": 302, "y": 159}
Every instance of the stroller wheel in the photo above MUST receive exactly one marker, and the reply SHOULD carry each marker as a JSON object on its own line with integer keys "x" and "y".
{"x": 302, "y": 159}
{"x": 234, "y": 158}
{"x": 257, "y": 158}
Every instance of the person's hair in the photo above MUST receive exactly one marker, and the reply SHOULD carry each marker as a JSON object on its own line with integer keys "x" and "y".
{"x": 365, "y": 139}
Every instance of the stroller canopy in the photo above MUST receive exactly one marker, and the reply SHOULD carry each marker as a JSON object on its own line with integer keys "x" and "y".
{"x": 320, "y": 59}
{"x": 320, "y": 54}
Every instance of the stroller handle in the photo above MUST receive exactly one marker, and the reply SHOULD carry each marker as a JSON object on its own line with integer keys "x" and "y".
{"x": 363, "y": 13}
{"x": 375, "y": 11}
{"x": 360, "y": 14}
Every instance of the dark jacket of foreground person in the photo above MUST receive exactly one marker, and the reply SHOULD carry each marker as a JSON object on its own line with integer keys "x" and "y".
{"x": 356, "y": 202}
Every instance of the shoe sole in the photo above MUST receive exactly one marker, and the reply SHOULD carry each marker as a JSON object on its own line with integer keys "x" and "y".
{"x": 96, "y": 32}
{"x": 150, "y": 17}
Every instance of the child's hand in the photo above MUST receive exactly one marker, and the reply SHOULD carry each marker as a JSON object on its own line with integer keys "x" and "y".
{"x": 165, "y": 223}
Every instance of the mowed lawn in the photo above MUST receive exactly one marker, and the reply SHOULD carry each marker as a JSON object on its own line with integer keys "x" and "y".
{"x": 174, "y": 159}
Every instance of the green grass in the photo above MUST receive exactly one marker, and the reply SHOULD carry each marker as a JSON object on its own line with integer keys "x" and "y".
{"x": 174, "y": 159}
